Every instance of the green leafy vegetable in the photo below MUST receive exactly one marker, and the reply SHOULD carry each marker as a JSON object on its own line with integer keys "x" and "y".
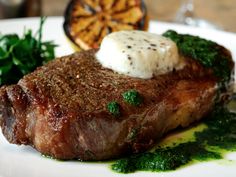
{"x": 132, "y": 97}
{"x": 20, "y": 56}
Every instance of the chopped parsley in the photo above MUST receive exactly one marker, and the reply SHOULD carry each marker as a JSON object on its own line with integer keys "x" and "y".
{"x": 114, "y": 108}
{"x": 132, "y": 97}
{"x": 20, "y": 56}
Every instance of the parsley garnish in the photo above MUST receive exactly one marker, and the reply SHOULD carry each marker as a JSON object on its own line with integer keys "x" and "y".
{"x": 20, "y": 56}
{"x": 132, "y": 97}
{"x": 114, "y": 108}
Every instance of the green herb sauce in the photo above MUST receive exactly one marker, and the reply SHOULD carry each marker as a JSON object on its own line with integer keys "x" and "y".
{"x": 132, "y": 97}
{"x": 208, "y": 53}
{"x": 217, "y": 137}
{"x": 114, "y": 108}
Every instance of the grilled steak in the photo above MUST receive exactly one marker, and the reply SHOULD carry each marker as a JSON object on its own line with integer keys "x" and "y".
{"x": 61, "y": 108}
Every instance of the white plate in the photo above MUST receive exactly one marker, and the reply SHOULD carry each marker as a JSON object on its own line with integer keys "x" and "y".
{"x": 22, "y": 161}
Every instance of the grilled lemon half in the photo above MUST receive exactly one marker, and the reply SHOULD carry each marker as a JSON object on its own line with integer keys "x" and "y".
{"x": 87, "y": 22}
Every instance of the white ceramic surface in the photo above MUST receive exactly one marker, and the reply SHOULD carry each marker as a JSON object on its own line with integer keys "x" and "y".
{"x": 22, "y": 161}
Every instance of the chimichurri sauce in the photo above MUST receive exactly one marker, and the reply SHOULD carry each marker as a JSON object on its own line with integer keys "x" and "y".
{"x": 206, "y": 52}
{"x": 211, "y": 143}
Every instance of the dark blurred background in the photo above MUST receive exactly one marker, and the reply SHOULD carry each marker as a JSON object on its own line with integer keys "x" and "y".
{"x": 220, "y": 12}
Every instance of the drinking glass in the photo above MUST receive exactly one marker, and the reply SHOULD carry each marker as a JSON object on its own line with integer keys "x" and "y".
{"x": 185, "y": 15}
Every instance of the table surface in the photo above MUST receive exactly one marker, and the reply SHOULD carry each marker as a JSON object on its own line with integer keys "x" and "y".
{"x": 220, "y": 12}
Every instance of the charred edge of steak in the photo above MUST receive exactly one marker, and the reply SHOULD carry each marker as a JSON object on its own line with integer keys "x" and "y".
{"x": 13, "y": 102}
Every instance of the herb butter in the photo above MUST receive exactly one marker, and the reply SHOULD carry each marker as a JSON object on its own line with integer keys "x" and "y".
{"x": 139, "y": 54}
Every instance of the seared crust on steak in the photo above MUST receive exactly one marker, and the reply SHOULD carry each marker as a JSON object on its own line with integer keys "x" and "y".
{"x": 61, "y": 108}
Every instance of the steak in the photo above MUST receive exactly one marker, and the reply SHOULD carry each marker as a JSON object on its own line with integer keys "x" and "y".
{"x": 61, "y": 108}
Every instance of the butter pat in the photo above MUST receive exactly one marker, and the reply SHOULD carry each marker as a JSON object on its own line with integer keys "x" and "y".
{"x": 139, "y": 54}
